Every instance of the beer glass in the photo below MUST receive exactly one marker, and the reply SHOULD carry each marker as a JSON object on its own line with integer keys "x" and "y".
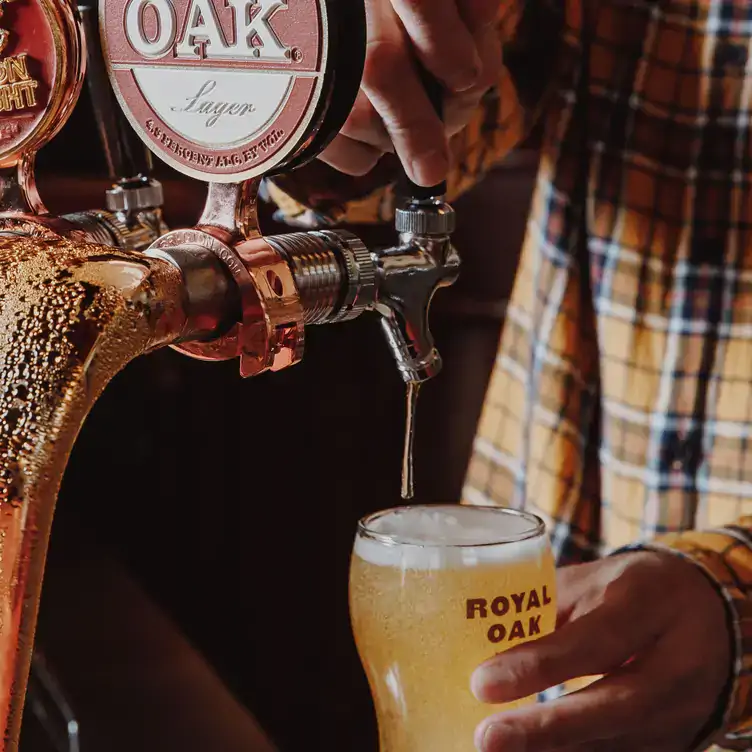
{"x": 434, "y": 592}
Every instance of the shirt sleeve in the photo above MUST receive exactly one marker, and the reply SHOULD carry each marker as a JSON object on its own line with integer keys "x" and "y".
{"x": 530, "y": 31}
{"x": 725, "y": 554}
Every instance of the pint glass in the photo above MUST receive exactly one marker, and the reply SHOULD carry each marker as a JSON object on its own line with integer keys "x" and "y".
{"x": 434, "y": 592}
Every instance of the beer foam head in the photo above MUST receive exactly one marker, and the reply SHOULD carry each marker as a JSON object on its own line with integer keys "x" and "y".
{"x": 431, "y": 537}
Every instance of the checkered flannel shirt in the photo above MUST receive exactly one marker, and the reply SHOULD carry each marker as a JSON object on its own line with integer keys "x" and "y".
{"x": 620, "y": 407}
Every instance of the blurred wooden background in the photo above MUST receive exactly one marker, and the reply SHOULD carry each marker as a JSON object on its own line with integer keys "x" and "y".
{"x": 222, "y": 511}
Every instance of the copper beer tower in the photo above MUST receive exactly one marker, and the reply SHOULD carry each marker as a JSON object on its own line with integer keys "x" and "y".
{"x": 229, "y": 92}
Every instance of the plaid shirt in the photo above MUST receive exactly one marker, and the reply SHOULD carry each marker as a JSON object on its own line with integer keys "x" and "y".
{"x": 620, "y": 408}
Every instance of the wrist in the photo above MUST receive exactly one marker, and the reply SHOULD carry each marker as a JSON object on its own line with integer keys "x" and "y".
{"x": 722, "y": 725}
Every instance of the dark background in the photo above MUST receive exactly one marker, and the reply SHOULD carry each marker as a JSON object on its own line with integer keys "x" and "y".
{"x": 232, "y": 504}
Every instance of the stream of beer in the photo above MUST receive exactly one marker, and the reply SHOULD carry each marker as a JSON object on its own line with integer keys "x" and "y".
{"x": 408, "y": 462}
{"x": 71, "y": 316}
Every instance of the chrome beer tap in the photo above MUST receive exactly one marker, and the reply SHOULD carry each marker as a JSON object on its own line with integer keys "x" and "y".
{"x": 409, "y": 274}
{"x": 225, "y": 91}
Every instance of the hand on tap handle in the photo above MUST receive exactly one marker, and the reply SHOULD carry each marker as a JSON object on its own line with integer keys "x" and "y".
{"x": 410, "y": 273}
{"x": 457, "y": 43}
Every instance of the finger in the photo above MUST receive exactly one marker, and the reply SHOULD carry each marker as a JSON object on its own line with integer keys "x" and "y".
{"x": 442, "y": 41}
{"x": 394, "y": 89}
{"x": 461, "y": 108}
{"x": 365, "y": 125}
{"x": 592, "y": 644}
{"x": 607, "y": 709}
{"x": 478, "y": 14}
{"x": 351, "y": 157}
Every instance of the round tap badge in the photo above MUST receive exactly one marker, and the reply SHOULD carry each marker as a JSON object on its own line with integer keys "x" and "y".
{"x": 222, "y": 90}
{"x": 41, "y": 72}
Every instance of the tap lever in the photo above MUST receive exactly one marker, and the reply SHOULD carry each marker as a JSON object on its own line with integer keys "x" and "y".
{"x": 125, "y": 153}
{"x": 134, "y": 202}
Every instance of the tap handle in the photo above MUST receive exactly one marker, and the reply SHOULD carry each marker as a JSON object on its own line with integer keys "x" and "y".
{"x": 125, "y": 153}
{"x": 406, "y": 189}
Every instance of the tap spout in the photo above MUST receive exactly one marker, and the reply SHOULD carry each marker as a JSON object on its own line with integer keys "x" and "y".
{"x": 409, "y": 274}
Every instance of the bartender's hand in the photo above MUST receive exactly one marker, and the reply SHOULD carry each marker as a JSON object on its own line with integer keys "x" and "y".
{"x": 653, "y": 625}
{"x": 457, "y": 41}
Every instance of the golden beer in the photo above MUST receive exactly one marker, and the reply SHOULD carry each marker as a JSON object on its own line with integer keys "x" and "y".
{"x": 434, "y": 592}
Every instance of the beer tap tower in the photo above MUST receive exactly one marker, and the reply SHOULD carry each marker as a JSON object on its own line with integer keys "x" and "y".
{"x": 224, "y": 91}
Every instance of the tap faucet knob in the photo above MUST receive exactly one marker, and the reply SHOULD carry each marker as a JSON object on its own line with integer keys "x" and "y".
{"x": 433, "y": 217}
{"x": 125, "y": 154}
{"x": 135, "y": 194}
{"x": 133, "y": 216}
